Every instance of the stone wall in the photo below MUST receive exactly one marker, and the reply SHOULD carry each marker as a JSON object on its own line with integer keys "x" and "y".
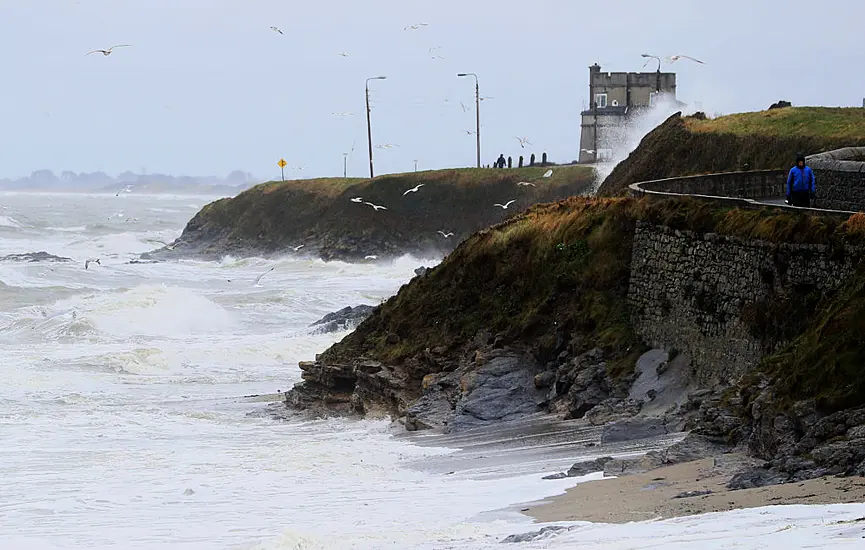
{"x": 723, "y": 300}
{"x": 840, "y": 179}
{"x": 755, "y": 184}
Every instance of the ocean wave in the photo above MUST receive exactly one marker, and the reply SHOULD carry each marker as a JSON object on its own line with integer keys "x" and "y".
{"x": 75, "y": 229}
{"x": 9, "y": 222}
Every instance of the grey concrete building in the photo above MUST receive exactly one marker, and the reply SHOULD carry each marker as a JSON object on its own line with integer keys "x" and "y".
{"x": 615, "y": 98}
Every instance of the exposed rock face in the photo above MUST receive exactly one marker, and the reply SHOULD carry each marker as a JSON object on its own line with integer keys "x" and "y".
{"x": 487, "y": 385}
{"x": 345, "y": 319}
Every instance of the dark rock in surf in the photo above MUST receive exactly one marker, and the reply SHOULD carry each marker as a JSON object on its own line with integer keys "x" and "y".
{"x": 545, "y": 533}
{"x": 345, "y": 319}
{"x": 34, "y": 257}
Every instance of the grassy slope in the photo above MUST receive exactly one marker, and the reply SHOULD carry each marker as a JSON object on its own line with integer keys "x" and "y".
{"x": 274, "y": 215}
{"x": 827, "y": 361}
{"x": 557, "y": 273}
{"x": 760, "y": 140}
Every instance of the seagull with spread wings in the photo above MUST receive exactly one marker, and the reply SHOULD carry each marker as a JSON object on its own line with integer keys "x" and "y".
{"x": 107, "y": 52}
{"x": 674, "y": 58}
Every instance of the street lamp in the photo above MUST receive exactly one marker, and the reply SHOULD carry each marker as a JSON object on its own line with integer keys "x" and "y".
{"x": 345, "y": 165}
{"x": 368, "y": 127}
{"x": 477, "y": 113}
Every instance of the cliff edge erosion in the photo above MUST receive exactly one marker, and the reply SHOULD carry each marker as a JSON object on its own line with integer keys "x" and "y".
{"x": 555, "y": 311}
{"x": 332, "y": 219}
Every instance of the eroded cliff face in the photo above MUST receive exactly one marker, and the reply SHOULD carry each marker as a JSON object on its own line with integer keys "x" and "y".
{"x": 548, "y": 313}
{"x": 332, "y": 219}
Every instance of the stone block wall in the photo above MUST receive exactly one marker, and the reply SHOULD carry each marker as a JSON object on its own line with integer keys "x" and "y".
{"x": 840, "y": 179}
{"x": 713, "y": 296}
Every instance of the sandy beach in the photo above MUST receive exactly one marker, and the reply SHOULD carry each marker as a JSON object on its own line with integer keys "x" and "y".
{"x": 651, "y": 495}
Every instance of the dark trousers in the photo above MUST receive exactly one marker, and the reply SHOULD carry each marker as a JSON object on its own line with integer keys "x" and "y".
{"x": 801, "y": 198}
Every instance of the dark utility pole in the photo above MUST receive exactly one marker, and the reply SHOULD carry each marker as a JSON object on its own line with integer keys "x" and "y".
{"x": 477, "y": 114}
{"x": 368, "y": 126}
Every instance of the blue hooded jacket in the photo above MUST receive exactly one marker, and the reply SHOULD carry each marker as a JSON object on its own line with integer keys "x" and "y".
{"x": 800, "y": 179}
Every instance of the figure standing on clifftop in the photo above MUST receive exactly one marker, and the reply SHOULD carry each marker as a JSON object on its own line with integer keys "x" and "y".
{"x": 500, "y": 163}
{"x": 800, "y": 183}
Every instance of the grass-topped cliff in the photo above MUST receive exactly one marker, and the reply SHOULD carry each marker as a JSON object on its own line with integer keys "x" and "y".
{"x": 751, "y": 141}
{"x": 551, "y": 282}
{"x": 274, "y": 216}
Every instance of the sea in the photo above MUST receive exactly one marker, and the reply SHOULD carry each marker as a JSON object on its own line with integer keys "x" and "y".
{"x": 136, "y": 400}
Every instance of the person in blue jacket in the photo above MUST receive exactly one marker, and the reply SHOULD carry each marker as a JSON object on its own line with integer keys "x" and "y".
{"x": 800, "y": 183}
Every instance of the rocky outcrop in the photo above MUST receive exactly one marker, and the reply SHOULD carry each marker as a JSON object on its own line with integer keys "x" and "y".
{"x": 34, "y": 257}
{"x": 345, "y": 319}
{"x": 542, "y": 534}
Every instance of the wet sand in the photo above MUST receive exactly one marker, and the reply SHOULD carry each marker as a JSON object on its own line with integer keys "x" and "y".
{"x": 650, "y": 495}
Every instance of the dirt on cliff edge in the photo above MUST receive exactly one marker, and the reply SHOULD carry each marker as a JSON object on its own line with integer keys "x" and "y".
{"x": 767, "y": 140}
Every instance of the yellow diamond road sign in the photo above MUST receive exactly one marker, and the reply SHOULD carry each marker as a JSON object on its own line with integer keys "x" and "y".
{"x": 282, "y": 163}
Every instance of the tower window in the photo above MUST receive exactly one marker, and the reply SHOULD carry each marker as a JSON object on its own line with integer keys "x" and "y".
{"x": 601, "y": 100}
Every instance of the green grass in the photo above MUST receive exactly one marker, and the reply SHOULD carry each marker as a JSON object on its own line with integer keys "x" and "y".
{"x": 845, "y": 123}
{"x": 827, "y": 362}
{"x": 455, "y": 176}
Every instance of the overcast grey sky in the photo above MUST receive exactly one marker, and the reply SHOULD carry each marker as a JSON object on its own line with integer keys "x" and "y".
{"x": 207, "y": 87}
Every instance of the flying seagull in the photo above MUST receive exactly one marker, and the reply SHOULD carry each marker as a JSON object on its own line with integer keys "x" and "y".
{"x": 674, "y": 58}
{"x": 386, "y": 146}
{"x": 343, "y": 114}
{"x": 357, "y": 199}
{"x": 471, "y": 132}
{"x": 276, "y": 29}
{"x": 298, "y": 247}
{"x": 505, "y": 205}
{"x": 463, "y": 105}
{"x": 375, "y": 206}
{"x": 523, "y": 141}
{"x": 342, "y": 54}
{"x": 91, "y": 261}
{"x": 445, "y": 235}
{"x": 109, "y": 50}
{"x": 526, "y": 183}
{"x": 258, "y": 279}
{"x": 548, "y": 173}
{"x": 437, "y": 57}
{"x": 434, "y": 48}
{"x": 414, "y": 27}
{"x": 414, "y": 189}
{"x": 371, "y": 257}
